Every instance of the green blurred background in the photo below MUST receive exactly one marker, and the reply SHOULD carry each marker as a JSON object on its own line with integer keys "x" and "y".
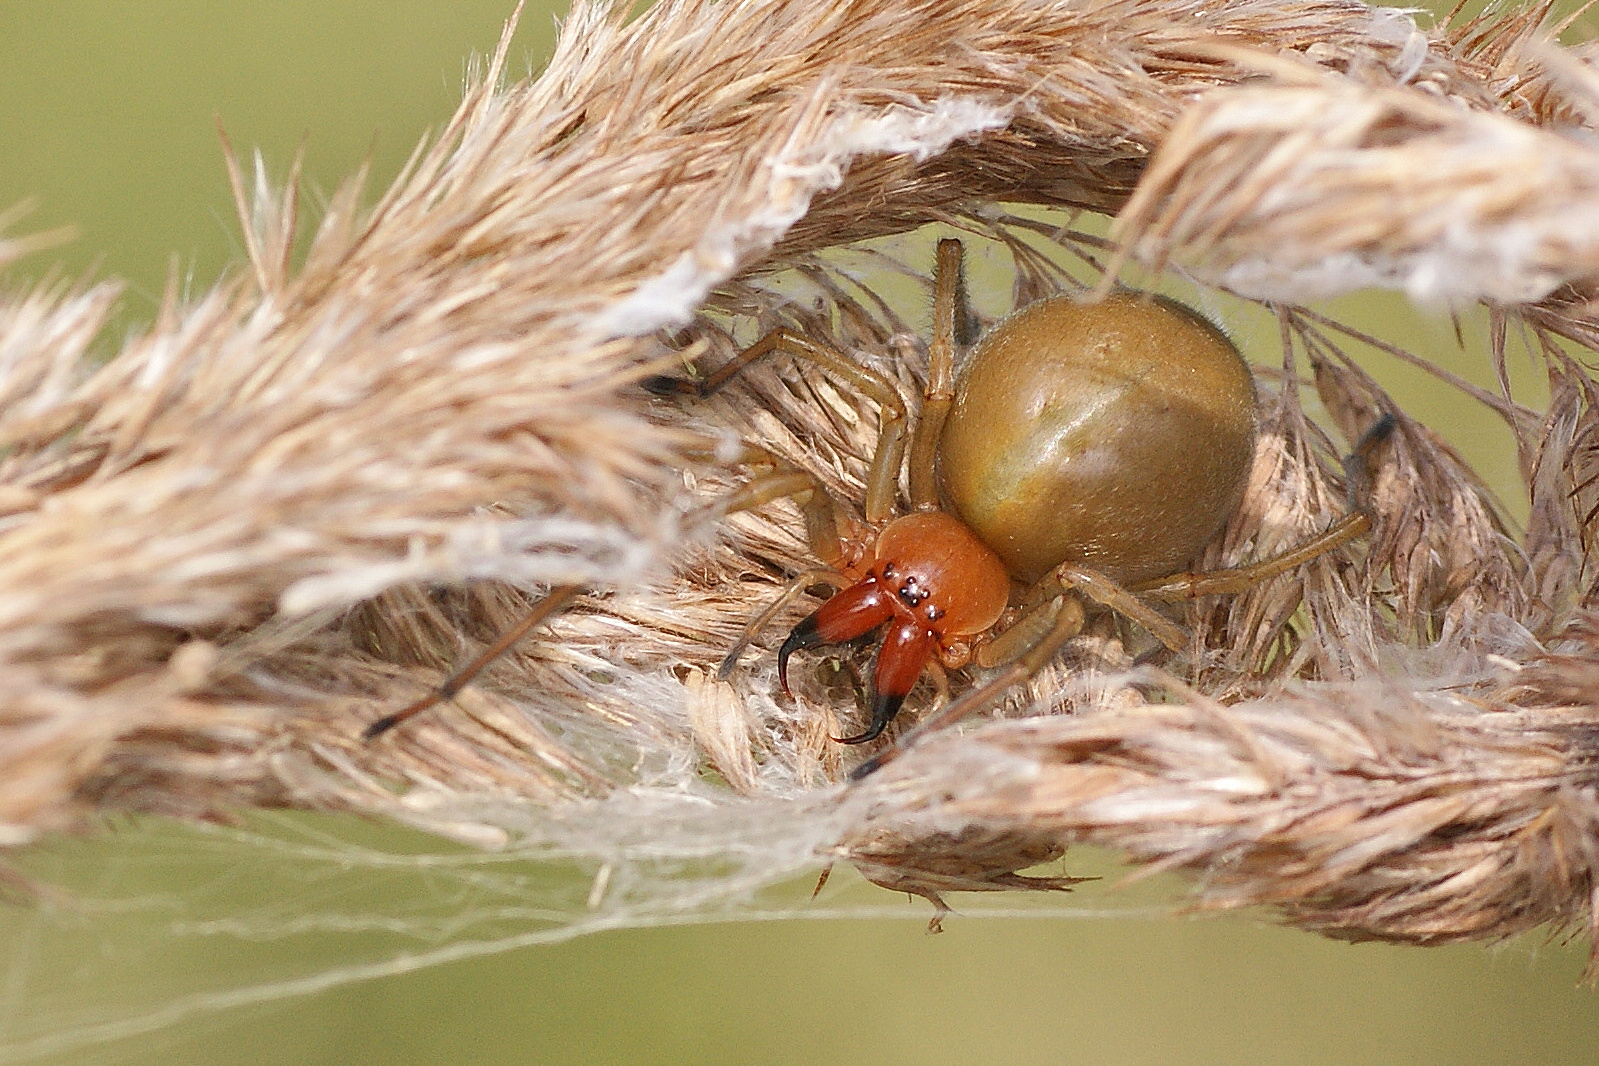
{"x": 156, "y": 930}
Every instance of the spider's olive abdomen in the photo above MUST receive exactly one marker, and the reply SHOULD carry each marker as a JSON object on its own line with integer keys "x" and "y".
{"x": 1117, "y": 434}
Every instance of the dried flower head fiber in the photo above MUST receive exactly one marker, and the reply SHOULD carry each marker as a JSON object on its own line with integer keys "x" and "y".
{"x": 294, "y": 502}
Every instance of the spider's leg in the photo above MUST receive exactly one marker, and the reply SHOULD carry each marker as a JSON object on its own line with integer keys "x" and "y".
{"x": 557, "y": 598}
{"x": 940, "y": 391}
{"x": 883, "y": 478}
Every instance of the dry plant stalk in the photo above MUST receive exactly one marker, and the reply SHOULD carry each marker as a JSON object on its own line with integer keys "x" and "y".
{"x": 289, "y": 506}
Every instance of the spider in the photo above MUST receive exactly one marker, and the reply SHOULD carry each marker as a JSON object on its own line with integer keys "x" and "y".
{"x": 1087, "y": 451}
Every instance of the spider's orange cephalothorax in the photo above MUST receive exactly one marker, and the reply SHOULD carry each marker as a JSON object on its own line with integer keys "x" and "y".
{"x": 930, "y": 579}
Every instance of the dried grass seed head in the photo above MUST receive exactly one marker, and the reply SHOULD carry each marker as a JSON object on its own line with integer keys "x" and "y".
{"x": 247, "y": 474}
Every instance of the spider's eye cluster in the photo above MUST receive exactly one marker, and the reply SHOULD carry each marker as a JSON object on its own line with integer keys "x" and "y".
{"x": 941, "y": 573}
